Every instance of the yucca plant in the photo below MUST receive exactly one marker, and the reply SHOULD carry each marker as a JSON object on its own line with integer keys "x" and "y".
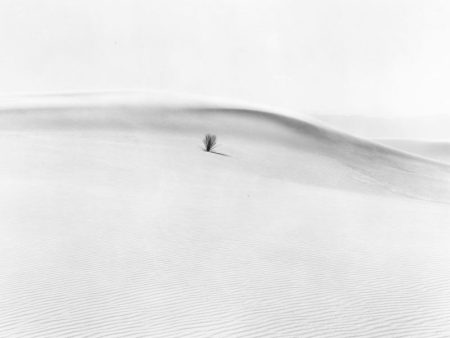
{"x": 209, "y": 142}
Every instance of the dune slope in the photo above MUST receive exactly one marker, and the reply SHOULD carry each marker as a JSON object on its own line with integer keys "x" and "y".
{"x": 115, "y": 223}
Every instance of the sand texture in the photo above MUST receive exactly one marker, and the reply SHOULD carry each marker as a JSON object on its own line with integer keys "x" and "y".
{"x": 115, "y": 223}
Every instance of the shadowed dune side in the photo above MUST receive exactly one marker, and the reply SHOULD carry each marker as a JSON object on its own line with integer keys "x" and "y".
{"x": 434, "y": 150}
{"x": 429, "y": 127}
{"x": 303, "y": 147}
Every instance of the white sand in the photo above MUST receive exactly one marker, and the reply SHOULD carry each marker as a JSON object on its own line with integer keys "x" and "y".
{"x": 114, "y": 223}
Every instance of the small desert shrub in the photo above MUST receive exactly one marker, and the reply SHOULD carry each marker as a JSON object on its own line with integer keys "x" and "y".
{"x": 209, "y": 142}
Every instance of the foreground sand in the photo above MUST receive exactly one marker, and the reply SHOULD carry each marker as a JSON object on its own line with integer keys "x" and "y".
{"x": 114, "y": 223}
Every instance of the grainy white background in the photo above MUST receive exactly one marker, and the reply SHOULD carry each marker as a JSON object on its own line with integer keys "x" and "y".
{"x": 372, "y": 57}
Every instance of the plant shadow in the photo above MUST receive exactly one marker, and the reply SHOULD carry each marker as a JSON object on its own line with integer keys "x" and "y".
{"x": 217, "y": 153}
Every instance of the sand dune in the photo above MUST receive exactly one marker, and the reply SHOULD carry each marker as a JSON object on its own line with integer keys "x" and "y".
{"x": 114, "y": 223}
{"x": 311, "y": 147}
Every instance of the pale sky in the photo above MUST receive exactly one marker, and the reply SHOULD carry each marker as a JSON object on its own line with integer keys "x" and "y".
{"x": 365, "y": 57}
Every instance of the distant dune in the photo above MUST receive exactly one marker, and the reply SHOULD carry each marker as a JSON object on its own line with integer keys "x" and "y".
{"x": 114, "y": 222}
